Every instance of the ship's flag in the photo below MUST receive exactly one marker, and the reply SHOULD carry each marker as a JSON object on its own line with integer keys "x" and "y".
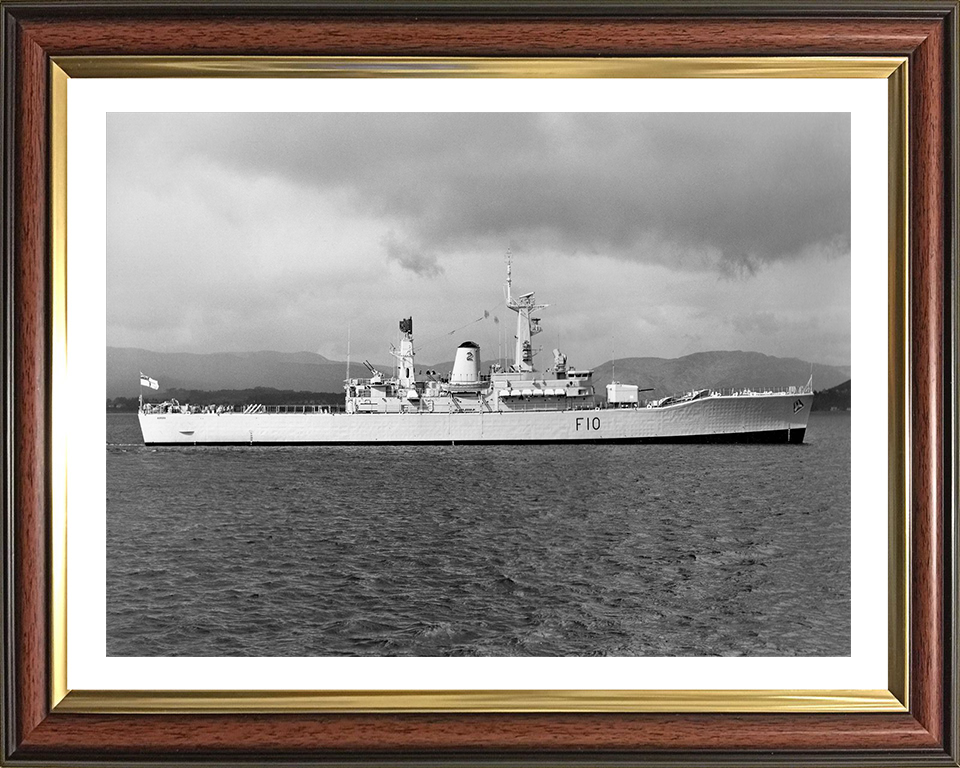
{"x": 146, "y": 381}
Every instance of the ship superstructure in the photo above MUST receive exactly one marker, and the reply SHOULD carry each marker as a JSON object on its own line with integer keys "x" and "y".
{"x": 512, "y": 403}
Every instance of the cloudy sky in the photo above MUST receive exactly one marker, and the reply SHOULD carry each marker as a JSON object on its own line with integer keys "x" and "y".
{"x": 648, "y": 234}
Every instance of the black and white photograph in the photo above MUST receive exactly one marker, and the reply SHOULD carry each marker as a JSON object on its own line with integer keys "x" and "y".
{"x": 485, "y": 384}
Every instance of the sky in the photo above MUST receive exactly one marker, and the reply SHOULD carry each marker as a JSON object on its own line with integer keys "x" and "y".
{"x": 648, "y": 234}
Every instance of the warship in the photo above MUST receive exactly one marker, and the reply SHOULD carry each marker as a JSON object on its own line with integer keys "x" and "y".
{"x": 512, "y": 403}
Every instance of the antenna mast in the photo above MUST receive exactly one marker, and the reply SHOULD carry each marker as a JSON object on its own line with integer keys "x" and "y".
{"x": 348, "y": 351}
{"x": 527, "y": 324}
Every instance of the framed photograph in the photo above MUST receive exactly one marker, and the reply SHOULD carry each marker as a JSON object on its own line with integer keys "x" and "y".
{"x": 479, "y": 383}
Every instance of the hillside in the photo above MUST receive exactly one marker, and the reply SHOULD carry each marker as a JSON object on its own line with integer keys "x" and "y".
{"x": 302, "y": 371}
{"x": 308, "y": 372}
{"x": 717, "y": 370}
{"x": 834, "y": 399}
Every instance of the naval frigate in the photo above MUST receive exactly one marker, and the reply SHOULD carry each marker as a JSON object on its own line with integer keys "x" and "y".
{"x": 513, "y": 403}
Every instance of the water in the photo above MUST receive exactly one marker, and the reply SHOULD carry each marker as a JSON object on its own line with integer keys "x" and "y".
{"x": 646, "y": 550}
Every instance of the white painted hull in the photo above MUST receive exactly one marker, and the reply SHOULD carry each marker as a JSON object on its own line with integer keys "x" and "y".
{"x": 743, "y": 418}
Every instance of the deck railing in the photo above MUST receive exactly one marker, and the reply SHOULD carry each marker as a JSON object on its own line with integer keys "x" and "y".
{"x": 517, "y": 406}
{"x": 253, "y": 408}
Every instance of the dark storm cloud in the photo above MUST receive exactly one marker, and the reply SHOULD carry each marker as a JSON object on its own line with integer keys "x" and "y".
{"x": 292, "y": 231}
{"x": 739, "y": 190}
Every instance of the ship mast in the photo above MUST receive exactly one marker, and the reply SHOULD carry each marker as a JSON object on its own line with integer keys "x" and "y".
{"x": 527, "y": 325}
{"x": 405, "y": 372}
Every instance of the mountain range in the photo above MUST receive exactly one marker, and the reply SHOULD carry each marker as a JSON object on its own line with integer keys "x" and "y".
{"x": 311, "y": 372}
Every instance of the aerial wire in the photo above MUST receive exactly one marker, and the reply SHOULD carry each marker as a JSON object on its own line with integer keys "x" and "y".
{"x": 486, "y": 314}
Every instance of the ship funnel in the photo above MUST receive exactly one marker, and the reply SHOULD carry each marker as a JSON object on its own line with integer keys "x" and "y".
{"x": 466, "y": 365}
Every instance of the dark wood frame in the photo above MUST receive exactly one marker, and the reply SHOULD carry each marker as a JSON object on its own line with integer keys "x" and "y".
{"x": 925, "y": 32}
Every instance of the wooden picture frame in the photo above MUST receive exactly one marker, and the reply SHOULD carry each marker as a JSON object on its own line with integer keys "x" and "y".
{"x": 39, "y": 728}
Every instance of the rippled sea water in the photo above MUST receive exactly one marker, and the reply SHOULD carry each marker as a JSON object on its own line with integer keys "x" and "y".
{"x": 642, "y": 550}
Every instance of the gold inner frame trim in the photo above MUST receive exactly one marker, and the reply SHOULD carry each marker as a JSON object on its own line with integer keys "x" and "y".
{"x": 227, "y": 702}
{"x": 58, "y": 364}
{"x": 898, "y": 383}
{"x": 893, "y": 69}
{"x": 441, "y": 67}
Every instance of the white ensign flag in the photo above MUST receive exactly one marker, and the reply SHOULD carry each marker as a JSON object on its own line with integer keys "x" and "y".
{"x": 146, "y": 381}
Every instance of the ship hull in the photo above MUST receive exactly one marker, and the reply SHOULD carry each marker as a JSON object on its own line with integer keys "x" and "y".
{"x": 773, "y": 418}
